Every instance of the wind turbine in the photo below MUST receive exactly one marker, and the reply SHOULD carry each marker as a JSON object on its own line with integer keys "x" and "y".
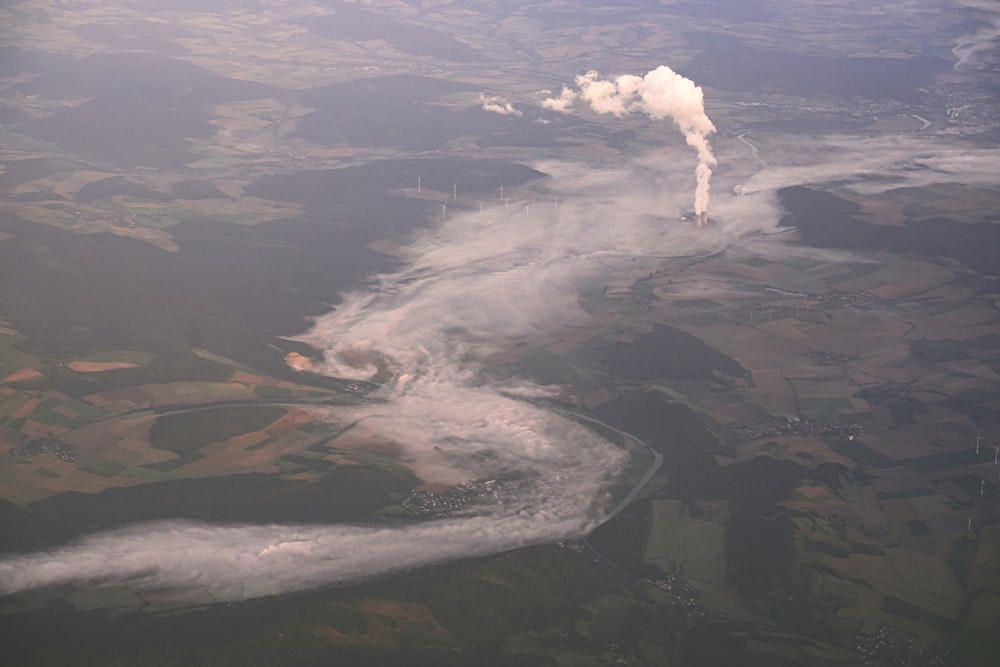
{"x": 501, "y": 191}
{"x": 482, "y": 205}
{"x": 454, "y": 190}
{"x": 527, "y": 210}
{"x": 418, "y": 184}
{"x": 506, "y": 203}
{"x": 444, "y": 208}
{"x": 978, "y": 438}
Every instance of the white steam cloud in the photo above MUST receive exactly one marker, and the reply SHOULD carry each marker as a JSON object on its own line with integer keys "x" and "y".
{"x": 496, "y": 104}
{"x": 661, "y": 93}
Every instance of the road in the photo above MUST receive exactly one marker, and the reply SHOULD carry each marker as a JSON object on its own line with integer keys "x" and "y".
{"x": 653, "y": 468}
{"x": 599, "y": 558}
{"x": 753, "y": 149}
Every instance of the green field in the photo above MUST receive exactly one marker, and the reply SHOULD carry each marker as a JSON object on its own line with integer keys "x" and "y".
{"x": 189, "y": 431}
{"x": 103, "y": 468}
{"x": 678, "y": 542}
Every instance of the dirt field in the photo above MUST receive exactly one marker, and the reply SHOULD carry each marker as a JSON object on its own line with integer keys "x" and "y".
{"x": 385, "y": 621}
{"x": 21, "y": 375}
{"x": 98, "y": 366}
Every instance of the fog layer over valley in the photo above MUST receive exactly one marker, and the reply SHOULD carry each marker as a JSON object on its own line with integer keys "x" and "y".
{"x": 473, "y": 284}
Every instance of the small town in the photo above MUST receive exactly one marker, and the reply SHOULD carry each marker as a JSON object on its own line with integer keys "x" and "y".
{"x": 892, "y": 646}
{"x": 441, "y": 503}
{"x": 45, "y": 446}
{"x": 824, "y": 358}
{"x": 796, "y": 426}
{"x": 683, "y": 596}
{"x": 848, "y": 299}
{"x": 122, "y": 219}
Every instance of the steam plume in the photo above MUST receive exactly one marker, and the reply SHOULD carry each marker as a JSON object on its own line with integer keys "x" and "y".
{"x": 661, "y": 93}
{"x": 496, "y": 104}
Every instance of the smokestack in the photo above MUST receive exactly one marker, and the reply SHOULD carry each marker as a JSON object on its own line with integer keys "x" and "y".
{"x": 661, "y": 93}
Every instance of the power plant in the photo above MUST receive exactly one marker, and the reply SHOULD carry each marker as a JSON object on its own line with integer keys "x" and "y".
{"x": 660, "y": 93}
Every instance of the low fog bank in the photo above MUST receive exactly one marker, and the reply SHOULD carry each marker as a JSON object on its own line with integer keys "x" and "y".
{"x": 870, "y": 164}
{"x": 472, "y": 284}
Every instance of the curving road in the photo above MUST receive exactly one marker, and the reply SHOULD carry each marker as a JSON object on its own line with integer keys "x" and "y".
{"x": 753, "y": 149}
{"x": 653, "y": 468}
